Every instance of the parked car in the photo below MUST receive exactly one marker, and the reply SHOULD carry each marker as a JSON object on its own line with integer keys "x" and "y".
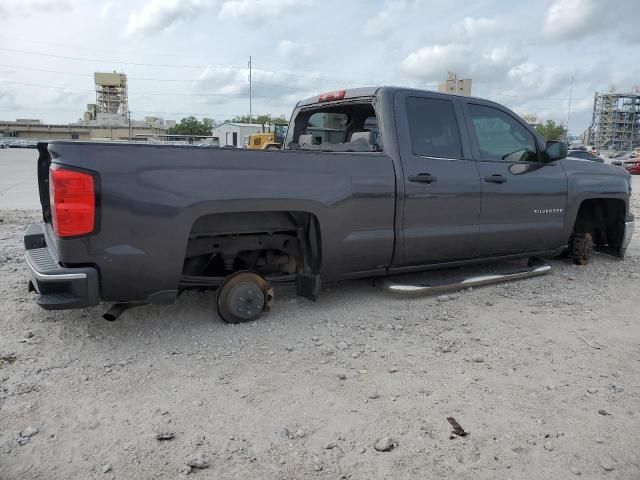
{"x": 584, "y": 155}
{"x": 618, "y": 154}
{"x": 370, "y": 182}
{"x": 4, "y": 144}
{"x": 630, "y": 162}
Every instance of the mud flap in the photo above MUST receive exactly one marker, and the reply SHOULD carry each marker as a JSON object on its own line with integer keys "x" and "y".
{"x": 309, "y": 286}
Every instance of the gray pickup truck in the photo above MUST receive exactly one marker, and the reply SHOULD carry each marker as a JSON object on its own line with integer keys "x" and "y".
{"x": 370, "y": 182}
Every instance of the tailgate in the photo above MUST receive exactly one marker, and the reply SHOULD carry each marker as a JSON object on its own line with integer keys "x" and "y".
{"x": 44, "y": 161}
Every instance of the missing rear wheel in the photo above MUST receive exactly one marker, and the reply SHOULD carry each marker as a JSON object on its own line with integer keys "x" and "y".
{"x": 243, "y": 297}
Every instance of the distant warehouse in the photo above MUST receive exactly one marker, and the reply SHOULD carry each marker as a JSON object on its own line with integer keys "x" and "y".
{"x": 231, "y": 134}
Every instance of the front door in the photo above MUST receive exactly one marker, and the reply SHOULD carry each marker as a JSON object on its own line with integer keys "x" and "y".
{"x": 441, "y": 181}
{"x": 523, "y": 199}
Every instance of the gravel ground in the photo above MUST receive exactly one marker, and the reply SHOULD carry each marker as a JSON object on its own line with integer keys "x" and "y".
{"x": 544, "y": 374}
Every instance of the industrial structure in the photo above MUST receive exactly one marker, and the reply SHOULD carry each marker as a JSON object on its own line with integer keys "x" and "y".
{"x": 615, "y": 124}
{"x": 107, "y": 119}
{"x": 455, "y": 85}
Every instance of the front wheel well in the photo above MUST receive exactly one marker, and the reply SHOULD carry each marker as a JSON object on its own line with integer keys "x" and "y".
{"x": 603, "y": 219}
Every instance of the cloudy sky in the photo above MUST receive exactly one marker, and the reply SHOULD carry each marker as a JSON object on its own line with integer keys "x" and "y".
{"x": 190, "y": 56}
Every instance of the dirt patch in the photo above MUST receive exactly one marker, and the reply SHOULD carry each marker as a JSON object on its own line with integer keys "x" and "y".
{"x": 357, "y": 385}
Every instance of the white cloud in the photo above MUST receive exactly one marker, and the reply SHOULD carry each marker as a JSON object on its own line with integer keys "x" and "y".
{"x": 473, "y": 28}
{"x": 534, "y": 81}
{"x": 432, "y": 62}
{"x": 387, "y": 19}
{"x": 577, "y": 19}
{"x": 158, "y": 15}
{"x": 256, "y": 11}
{"x": 571, "y": 18}
{"x": 8, "y": 99}
{"x": 28, "y": 7}
{"x": 107, "y": 9}
{"x": 294, "y": 52}
{"x": 221, "y": 85}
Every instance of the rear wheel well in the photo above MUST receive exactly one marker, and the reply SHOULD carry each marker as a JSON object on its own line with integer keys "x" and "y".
{"x": 273, "y": 243}
{"x": 603, "y": 218}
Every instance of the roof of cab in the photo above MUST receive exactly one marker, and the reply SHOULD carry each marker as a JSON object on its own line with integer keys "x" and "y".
{"x": 361, "y": 92}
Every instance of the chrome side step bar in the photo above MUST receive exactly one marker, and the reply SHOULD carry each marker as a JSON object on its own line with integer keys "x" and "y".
{"x": 536, "y": 269}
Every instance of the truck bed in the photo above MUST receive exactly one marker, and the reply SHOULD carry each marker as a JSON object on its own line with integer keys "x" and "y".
{"x": 150, "y": 196}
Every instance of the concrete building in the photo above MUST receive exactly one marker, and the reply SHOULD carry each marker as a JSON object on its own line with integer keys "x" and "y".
{"x": 230, "y": 134}
{"x": 140, "y": 131}
{"x": 455, "y": 85}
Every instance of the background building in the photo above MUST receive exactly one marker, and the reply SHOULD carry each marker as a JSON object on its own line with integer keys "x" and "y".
{"x": 453, "y": 84}
{"x": 107, "y": 119}
{"x": 230, "y": 134}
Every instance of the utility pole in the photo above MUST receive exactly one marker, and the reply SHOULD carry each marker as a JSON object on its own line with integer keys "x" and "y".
{"x": 569, "y": 110}
{"x": 129, "y": 115}
{"x": 250, "y": 112}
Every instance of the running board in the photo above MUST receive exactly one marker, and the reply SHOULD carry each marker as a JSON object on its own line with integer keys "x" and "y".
{"x": 536, "y": 269}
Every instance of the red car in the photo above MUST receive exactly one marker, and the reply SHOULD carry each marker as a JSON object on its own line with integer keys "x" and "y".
{"x": 630, "y": 162}
{"x": 632, "y": 166}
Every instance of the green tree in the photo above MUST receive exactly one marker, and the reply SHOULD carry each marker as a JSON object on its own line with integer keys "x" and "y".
{"x": 261, "y": 119}
{"x": 551, "y": 130}
{"x": 192, "y": 126}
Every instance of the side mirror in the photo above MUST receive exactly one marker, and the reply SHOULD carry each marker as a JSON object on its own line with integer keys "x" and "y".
{"x": 555, "y": 150}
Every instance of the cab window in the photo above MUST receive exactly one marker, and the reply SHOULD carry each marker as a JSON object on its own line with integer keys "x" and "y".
{"x": 501, "y": 137}
{"x": 433, "y": 128}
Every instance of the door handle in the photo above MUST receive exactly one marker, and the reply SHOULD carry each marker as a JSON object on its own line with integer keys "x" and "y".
{"x": 496, "y": 178}
{"x": 423, "y": 178}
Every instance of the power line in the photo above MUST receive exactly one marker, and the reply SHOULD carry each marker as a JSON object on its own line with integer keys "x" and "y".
{"x": 152, "y": 94}
{"x": 202, "y": 67}
{"x": 137, "y": 112}
{"x": 174, "y": 80}
{"x": 85, "y": 59}
{"x": 49, "y": 43}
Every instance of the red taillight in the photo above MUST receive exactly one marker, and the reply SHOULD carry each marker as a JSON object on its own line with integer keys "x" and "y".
{"x": 330, "y": 96}
{"x": 73, "y": 203}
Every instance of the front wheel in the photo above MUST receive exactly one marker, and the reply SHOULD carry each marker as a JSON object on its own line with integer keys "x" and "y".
{"x": 581, "y": 248}
{"x": 243, "y": 297}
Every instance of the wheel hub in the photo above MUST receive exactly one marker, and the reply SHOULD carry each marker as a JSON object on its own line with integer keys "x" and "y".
{"x": 243, "y": 297}
{"x": 246, "y": 300}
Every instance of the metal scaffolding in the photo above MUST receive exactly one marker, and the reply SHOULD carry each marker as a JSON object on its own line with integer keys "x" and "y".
{"x": 615, "y": 123}
{"x": 111, "y": 93}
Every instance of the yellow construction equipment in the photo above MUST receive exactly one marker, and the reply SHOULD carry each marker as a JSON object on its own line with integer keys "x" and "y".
{"x": 268, "y": 140}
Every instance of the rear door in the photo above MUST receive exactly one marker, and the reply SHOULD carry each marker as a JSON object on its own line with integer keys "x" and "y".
{"x": 441, "y": 181}
{"x": 523, "y": 199}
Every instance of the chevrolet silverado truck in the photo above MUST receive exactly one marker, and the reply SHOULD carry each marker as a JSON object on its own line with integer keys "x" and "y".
{"x": 370, "y": 182}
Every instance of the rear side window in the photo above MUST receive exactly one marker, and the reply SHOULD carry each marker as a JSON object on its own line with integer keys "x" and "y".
{"x": 433, "y": 128}
{"x": 502, "y": 137}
